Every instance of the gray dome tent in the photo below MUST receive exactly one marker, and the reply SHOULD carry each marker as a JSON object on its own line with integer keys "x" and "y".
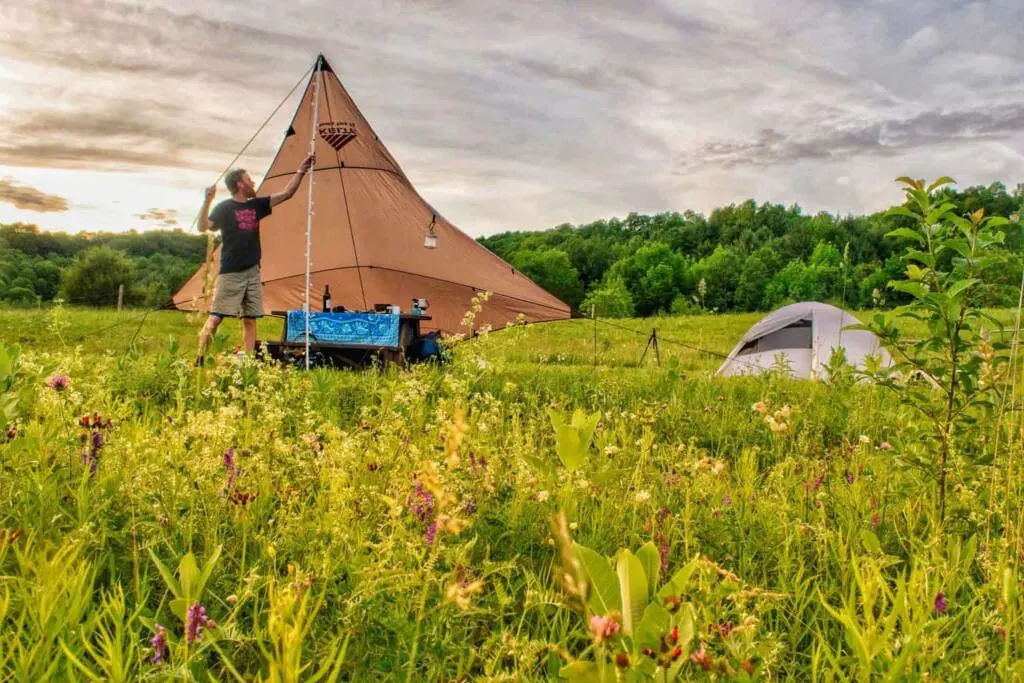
{"x": 806, "y": 334}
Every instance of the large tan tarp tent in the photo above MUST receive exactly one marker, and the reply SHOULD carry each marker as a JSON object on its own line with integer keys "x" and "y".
{"x": 368, "y": 231}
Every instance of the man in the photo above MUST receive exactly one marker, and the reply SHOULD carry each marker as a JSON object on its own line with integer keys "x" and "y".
{"x": 239, "y": 292}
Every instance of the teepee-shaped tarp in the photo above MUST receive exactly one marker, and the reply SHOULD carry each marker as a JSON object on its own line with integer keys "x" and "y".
{"x": 368, "y": 231}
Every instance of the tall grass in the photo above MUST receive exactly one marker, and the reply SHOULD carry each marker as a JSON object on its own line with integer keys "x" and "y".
{"x": 387, "y": 525}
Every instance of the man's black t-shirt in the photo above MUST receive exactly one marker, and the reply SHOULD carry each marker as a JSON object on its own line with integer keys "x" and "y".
{"x": 239, "y": 225}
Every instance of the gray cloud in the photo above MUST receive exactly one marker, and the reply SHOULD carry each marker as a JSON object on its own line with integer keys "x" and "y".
{"x": 29, "y": 198}
{"x": 528, "y": 114}
{"x": 886, "y": 138}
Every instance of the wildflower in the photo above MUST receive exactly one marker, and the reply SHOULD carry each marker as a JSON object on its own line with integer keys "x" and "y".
{"x": 726, "y": 500}
{"x": 673, "y": 635}
{"x": 542, "y": 496}
{"x": 622, "y": 660}
{"x": 469, "y": 506}
{"x": 603, "y": 628}
{"x": 59, "y": 382}
{"x": 459, "y": 593}
{"x": 701, "y": 658}
{"x": 663, "y": 550}
{"x": 196, "y": 620}
{"x": 886, "y": 446}
{"x": 850, "y": 478}
{"x": 784, "y": 412}
{"x": 875, "y": 520}
{"x": 1001, "y": 632}
{"x": 231, "y": 467}
{"x": 423, "y": 505}
{"x": 11, "y": 432}
{"x": 940, "y": 603}
{"x": 760, "y": 407}
{"x": 91, "y": 455}
{"x": 748, "y": 666}
{"x": 430, "y": 534}
{"x": 611, "y": 450}
{"x": 159, "y": 643}
{"x": 573, "y": 526}
{"x": 864, "y": 438}
{"x": 642, "y": 496}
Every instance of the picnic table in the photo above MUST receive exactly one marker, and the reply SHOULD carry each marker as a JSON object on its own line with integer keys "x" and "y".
{"x": 351, "y": 338}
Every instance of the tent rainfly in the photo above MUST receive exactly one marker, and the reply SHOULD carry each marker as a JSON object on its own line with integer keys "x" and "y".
{"x": 369, "y": 230}
{"x": 806, "y": 334}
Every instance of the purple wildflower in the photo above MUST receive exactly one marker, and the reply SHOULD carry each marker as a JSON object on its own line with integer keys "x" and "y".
{"x": 662, "y": 515}
{"x": 231, "y": 467}
{"x": 469, "y": 506}
{"x": 159, "y": 643}
{"x": 875, "y": 519}
{"x": 483, "y": 463}
{"x": 423, "y": 503}
{"x": 59, "y": 382}
{"x": 850, "y": 478}
{"x": 663, "y": 549}
{"x": 726, "y": 500}
{"x": 430, "y": 534}
{"x": 196, "y": 620}
{"x": 940, "y": 603}
{"x": 91, "y": 455}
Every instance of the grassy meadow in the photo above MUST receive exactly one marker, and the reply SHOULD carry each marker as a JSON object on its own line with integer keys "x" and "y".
{"x": 541, "y": 507}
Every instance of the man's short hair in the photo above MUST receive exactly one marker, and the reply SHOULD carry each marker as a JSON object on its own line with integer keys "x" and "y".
{"x": 233, "y": 178}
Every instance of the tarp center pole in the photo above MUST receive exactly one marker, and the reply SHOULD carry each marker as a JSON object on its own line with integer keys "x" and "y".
{"x": 309, "y": 211}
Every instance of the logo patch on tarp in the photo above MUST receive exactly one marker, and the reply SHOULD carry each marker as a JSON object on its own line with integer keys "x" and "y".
{"x": 337, "y": 135}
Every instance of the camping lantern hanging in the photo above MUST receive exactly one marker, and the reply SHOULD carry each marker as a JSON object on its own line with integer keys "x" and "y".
{"x": 430, "y": 241}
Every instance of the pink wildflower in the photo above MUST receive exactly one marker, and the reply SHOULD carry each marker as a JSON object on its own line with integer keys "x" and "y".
{"x": 604, "y": 627}
{"x": 59, "y": 382}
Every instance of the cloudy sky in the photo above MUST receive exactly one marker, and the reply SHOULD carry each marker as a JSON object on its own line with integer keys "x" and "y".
{"x": 513, "y": 114}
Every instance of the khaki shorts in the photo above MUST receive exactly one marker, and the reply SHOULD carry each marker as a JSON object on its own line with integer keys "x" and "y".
{"x": 239, "y": 295}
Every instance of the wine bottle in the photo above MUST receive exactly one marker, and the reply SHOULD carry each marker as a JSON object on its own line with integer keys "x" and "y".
{"x": 327, "y": 299}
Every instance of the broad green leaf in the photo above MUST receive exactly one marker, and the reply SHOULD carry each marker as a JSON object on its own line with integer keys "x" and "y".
{"x": 179, "y": 608}
{"x": 650, "y": 558}
{"x": 587, "y": 672}
{"x": 188, "y": 572}
{"x": 604, "y": 584}
{"x": 907, "y": 233}
{"x": 944, "y": 180}
{"x": 654, "y": 624}
{"x": 172, "y": 583}
{"x": 959, "y": 245}
{"x": 207, "y": 570}
{"x": 870, "y": 541}
{"x": 632, "y": 589}
{"x": 962, "y": 286}
{"x": 677, "y": 584}
{"x": 915, "y": 289}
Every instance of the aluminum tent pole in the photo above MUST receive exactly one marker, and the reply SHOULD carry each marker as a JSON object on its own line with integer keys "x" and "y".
{"x": 309, "y": 213}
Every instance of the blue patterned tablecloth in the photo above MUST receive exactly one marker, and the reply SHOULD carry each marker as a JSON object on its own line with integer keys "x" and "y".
{"x": 364, "y": 329}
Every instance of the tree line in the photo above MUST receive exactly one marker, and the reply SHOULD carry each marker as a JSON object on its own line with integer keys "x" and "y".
{"x": 37, "y": 266}
{"x": 742, "y": 257}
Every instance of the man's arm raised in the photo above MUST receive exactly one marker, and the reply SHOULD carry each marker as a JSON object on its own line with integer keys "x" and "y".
{"x": 204, "y": 213}
{"x": 293, "y": 186}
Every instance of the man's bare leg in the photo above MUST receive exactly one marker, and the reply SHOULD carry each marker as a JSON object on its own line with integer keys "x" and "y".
{"x": 205, "y": 334}
{"x": 249, "y": 334}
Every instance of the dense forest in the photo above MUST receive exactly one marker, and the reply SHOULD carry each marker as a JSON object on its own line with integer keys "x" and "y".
{"x": 86, "y": 268}
{"x": 742, "y": 257}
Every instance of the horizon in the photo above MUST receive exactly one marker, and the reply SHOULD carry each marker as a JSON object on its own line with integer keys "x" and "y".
{"x": 119, "y": 113}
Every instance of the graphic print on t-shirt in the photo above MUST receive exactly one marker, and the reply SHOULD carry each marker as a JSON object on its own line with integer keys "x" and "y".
{"x": 246, "y": 219}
